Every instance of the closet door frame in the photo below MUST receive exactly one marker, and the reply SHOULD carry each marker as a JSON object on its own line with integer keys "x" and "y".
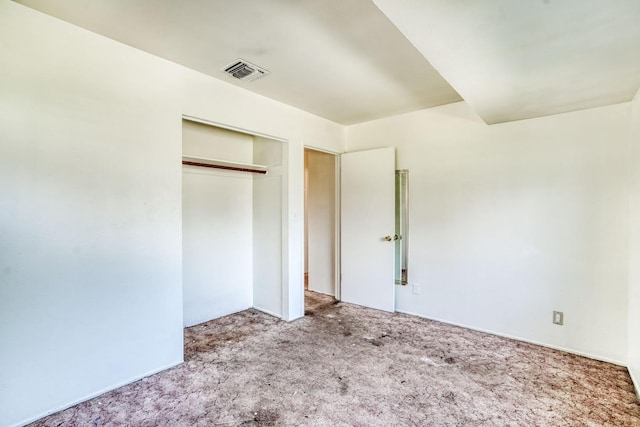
{"x": 289, "y": 299}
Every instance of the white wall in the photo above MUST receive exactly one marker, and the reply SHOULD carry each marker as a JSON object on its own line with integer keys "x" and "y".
{"x": 634, "y": 245}
{"x": 267, "y": 227}
{"x": 217, "y": 224}
{"x": 90, "y": 214}
{"x": 321, "y": 221}
{"x": 510, "y": 222}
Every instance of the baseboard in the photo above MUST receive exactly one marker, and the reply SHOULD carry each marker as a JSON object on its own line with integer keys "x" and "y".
{"x": 96, "y": 394}
{"x": 513, "y": 337}
{"x": 269, "y": 312}
{"x": 636, "y": 383}
{"x": 321, "y": 293}
{"x": 223, "y": 314}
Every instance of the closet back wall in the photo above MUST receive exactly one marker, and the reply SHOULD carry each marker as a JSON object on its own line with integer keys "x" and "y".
{"x": 217, "y": 220}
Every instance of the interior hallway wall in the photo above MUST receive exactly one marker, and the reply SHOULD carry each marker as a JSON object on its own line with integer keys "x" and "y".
{"x": 321, "y": 220}
{"x": 634, "y": 245}
{"x": 510, "y": 222}
{"x": 90, "y": 251}
{"x": 217, "y": 225}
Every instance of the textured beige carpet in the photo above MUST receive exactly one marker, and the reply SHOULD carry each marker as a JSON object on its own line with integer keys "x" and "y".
{"x": 344, "y": 365}
{"x": 314, "y": 301}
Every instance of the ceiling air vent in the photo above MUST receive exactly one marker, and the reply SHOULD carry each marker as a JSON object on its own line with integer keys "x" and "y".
{"x": 245, "y": 71}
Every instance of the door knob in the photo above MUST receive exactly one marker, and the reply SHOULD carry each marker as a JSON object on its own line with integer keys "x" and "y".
{"x": 388, "y": 238}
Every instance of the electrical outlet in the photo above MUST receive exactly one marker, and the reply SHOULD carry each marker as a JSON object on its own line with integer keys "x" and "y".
{"x": 416, "y": 289}
{"x": 558, "y": 318}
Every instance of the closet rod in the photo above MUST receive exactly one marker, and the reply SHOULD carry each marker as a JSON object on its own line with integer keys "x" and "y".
{"x": 222, "y": 164}
{"x": 226, "y": 167}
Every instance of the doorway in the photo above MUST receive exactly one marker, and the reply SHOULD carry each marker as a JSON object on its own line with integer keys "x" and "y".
{"x": 320, "y": 229}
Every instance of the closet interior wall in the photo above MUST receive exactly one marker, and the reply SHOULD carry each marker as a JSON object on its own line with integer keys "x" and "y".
{"x": 267, "y": 227}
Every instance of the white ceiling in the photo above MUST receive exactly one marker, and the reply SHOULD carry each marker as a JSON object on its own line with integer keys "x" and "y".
{"x": 348, "y": 61}
{"x": 516, "y": 59}
{"x": 339, "y": 59}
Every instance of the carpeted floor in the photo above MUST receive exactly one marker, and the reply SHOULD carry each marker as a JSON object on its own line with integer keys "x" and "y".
{"x": 344, "y": 365}
{"x": 314, "y": 301}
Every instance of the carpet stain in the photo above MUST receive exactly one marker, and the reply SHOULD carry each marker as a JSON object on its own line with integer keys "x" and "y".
{"x": 344, "y": 388}
{"x": 262, "y": 417}
{"x": 449, "y": 396}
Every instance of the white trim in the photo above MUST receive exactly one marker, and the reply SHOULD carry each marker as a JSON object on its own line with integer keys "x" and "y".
{"x": 235, "y": 311}
{"x": 285, "y": 255}
{"x": 270, "y": 313}
{"x": 96, "y": 394}
{"x": 338, "y": 229}
{"x": 566, "y": 350}
{"x": 322, "y": 150}
{"x": 636, "y": 383}
{"x": 229, "y": 127}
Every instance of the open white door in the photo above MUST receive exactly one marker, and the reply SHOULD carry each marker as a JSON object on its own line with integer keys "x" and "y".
{"x": 367, "y": 228}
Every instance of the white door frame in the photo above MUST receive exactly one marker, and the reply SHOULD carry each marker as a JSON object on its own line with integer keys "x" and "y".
{"x": 285, "y": 255}
{"x": 337, "y": 275}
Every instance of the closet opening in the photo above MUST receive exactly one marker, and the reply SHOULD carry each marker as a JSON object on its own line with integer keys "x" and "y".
{"x": 321, "y": 238}
{"x": 232, "y": 222}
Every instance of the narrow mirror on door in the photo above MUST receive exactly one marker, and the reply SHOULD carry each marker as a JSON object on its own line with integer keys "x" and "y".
{"x": 402, "y": 215}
